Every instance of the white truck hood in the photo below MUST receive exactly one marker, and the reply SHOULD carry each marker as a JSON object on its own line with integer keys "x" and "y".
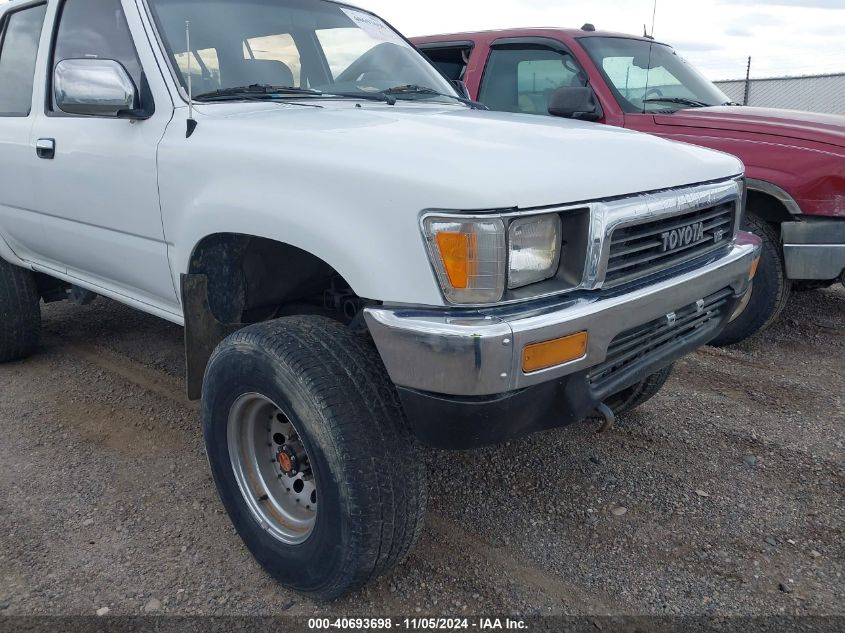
{"x": 458, "y": 158}
{"x": 349, "y": 184}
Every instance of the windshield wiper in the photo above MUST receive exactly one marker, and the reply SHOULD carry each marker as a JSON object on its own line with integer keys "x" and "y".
{"x": 255, "y": 91}
{"x": 412, "y": 89}
{"x": 692, "y": 103}
{"x": 363, "y": 96}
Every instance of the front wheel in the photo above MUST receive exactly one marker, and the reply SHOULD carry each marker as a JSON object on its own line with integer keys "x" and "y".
{"x": 311, "y": 454}
{"x": 769, "y": 293}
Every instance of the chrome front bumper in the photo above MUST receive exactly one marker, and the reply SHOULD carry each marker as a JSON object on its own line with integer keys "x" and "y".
{"x": 479, "y": 352}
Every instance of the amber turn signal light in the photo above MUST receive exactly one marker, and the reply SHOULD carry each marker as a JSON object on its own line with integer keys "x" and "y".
{"x": 754, "y": 265}
{"x": 459, "y": 252}
{"x": 540, "y": 356}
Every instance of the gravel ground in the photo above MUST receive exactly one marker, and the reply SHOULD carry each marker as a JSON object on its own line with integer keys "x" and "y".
{"x": 724, "y": 495}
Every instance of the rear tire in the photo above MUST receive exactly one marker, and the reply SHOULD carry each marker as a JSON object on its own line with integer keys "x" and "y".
{"x": 20, "y": 312}
{"x": 629, "y": 399}
{"x": 769, "y": 293}
{"x": 344, "y": 413}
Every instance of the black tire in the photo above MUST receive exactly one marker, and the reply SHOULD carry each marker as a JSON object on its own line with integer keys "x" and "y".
{"x": 20, "y": 312}
{"x": 770, "y": 292}
{"x": 366, "y": 464}
{"x": 629, "y": 399}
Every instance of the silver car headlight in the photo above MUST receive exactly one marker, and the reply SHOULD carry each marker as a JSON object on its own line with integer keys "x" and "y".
{"x": 534, "y": 245}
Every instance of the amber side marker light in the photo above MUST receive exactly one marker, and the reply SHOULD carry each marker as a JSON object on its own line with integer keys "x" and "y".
{"x": 754, "y": 266}
{"x": 540, "y": 356}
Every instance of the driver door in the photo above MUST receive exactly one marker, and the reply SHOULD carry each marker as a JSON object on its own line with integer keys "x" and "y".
{"x": 97, "y": 189}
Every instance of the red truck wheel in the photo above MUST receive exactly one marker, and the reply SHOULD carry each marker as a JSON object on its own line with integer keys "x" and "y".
{"x": 769, "y": 294}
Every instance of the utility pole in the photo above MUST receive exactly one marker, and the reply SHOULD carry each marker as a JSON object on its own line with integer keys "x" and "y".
{"x": 747, "y": 83}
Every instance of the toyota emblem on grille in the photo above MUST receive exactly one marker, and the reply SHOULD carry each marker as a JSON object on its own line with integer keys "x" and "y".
{"x": 682, "y": 237}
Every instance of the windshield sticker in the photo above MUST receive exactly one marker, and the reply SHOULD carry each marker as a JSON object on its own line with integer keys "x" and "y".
{"x": 373, "y": 26}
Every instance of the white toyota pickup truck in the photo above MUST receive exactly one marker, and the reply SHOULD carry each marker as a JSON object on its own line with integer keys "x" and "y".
{"x": 362, "y": 259}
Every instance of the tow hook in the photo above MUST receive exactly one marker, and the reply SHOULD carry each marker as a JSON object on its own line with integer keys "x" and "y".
{"x": 609, "y": 418}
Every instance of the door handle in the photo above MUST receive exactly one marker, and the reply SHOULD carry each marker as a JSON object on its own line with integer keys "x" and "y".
{"x": 45, "y": 148}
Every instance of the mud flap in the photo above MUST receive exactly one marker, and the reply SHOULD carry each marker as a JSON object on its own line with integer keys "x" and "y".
{"x": 203, "y": 332}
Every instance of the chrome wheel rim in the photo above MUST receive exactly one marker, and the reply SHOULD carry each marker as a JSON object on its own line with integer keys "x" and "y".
{"x": 743, "y": 303}
{"x": 272, "y": 468}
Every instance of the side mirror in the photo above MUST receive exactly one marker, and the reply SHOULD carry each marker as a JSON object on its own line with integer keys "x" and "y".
{"x": 575, "y": 103}
{"x": 94, "y": 87}
{"x": 461, "y": 87}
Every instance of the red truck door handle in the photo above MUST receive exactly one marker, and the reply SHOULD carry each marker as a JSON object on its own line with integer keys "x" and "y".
{"x": 45, "y": 148}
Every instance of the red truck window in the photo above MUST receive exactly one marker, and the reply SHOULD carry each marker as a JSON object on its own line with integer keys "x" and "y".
{"x": 451, "y": 61}
{"x": 522, "y": 79}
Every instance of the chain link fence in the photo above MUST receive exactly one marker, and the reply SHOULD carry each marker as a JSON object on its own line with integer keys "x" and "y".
{"x": 817, "y": 93}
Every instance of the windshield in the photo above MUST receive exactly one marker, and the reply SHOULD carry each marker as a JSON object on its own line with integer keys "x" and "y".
{"x": 650, "y": 77}
{"x": 311, "y": 46}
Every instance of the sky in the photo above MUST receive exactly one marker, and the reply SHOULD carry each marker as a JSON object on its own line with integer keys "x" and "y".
{"x": 783, "y": 37}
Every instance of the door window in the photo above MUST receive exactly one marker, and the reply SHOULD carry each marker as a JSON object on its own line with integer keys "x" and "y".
{"x": 19, "y": 34}
{"x": 522, "y": 79}
{"x": 97, "y": 29}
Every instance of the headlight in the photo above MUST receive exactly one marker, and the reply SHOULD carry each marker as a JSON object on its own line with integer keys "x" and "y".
{"x": 469, "y": 257}
{"x": 478, "y": 259}
{"x": 533, "y": 249}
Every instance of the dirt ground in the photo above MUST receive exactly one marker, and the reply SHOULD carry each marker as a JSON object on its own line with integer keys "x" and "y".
{"x": 724, "y": 495}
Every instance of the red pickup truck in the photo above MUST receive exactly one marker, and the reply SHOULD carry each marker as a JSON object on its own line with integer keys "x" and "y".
{"x": 795, "y": 161}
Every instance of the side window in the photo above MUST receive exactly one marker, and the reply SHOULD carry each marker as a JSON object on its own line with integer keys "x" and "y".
{"x": 522, "y": 79}
{"x": 452, "y": 62}
{"x": 19, "y": 35}
{"x": 97, "y": 29}
{"x": 280, "y": 51}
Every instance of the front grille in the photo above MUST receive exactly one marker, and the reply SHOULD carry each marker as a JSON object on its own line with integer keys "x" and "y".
{"x": 649, "y": 339}
{"x": 645, "y": 249}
